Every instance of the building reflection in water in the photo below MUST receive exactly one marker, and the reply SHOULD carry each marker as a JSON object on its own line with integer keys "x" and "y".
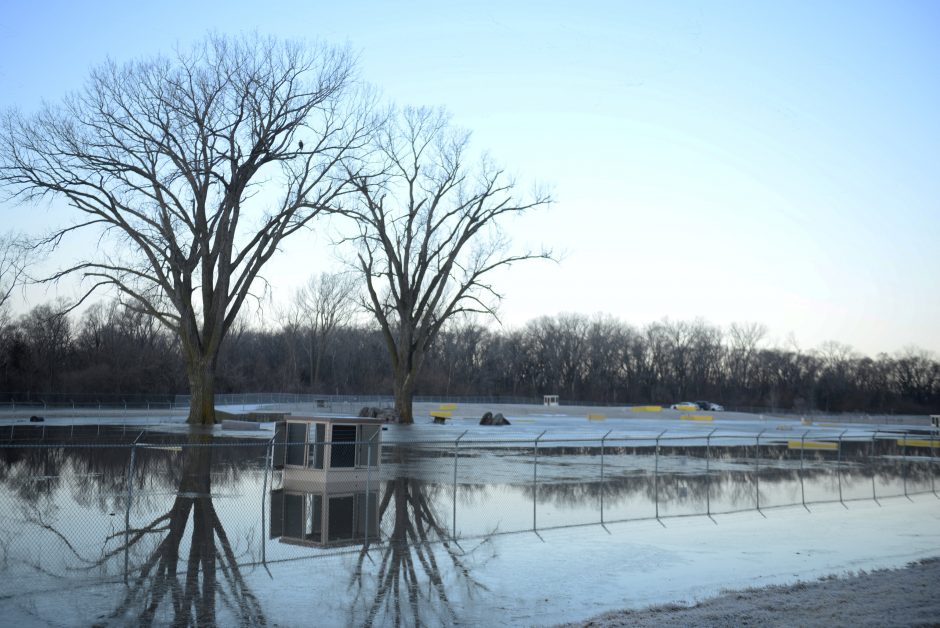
{"x": 331, "y": 496}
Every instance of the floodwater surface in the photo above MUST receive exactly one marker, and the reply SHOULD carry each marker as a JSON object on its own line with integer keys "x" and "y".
{"x": 170, "y": 530}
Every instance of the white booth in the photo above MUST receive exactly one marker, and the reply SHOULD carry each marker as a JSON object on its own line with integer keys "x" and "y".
{"x": 329, "y": 483}
{"x": 328, "y": 450}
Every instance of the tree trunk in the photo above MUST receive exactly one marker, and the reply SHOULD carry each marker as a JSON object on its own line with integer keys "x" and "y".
{"x": 201, "y": 373}
{"x": 404, "y": 396}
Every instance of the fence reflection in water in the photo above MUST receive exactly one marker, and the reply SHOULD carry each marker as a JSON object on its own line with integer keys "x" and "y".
{"x": 147, "y": 499}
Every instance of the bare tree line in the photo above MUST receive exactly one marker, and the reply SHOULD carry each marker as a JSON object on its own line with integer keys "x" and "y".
{"x": 599, "y": 359}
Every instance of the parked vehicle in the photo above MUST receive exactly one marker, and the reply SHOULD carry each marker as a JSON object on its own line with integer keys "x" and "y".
{"x": 686, "y": 405}
{"x": 711, "y": 407}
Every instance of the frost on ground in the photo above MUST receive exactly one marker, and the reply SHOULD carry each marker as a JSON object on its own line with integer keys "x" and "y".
{"x": 888, "y": 597}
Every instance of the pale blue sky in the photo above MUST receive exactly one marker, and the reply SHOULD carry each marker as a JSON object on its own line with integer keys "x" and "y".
{"x": 730, "y": 161}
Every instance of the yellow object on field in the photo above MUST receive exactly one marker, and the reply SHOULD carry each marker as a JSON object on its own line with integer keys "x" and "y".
{"x": 447, "y": 406}
{"x": 697, "y": 417}
{"x": 918, "y": 442}
{"x": 812, "y": 444}
{"x": 442, "y": 414}
{"x": 685, "y": 407}
{"x": 596, "y": 417}
{"x": 646, "y": 408}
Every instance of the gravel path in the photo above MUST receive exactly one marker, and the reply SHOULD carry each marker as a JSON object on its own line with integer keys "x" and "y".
{"x": 891, "y": 597}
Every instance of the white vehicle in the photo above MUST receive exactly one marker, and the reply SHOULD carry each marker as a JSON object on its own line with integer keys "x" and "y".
{"x": 686, "y": 405}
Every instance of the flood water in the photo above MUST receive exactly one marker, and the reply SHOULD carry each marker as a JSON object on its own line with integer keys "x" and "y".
{"x": 193, "y": 529}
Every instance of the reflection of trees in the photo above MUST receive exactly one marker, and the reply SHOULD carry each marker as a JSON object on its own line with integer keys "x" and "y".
{"x": 191, "y": 589}
{"x": 412, "y": 567}
{"x": 95, "y": 472}
{"x": 687, "y": 488}
{"x": 181, "y": 563}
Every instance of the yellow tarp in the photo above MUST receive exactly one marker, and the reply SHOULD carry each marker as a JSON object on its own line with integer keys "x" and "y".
{"x": 918, "y": 442}
{"x": 812, "y": 444}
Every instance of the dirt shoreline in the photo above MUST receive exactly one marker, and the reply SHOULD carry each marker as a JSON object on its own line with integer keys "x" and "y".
{"x": 891, "y": 597}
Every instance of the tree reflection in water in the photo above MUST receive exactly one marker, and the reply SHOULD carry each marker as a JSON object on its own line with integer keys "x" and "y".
{"x": 412, "y": 575}
{"x": 177, "y": 567}
{"x": 191, "y": 593}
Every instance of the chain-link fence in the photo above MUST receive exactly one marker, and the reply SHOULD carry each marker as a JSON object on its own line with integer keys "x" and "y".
{"x": 82, "y": 504}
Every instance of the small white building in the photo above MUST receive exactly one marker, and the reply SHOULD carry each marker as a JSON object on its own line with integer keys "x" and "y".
{"x": 328, "y": 450}
{"x": 329, "y": 494}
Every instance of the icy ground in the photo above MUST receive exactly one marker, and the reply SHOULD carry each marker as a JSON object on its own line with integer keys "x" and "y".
{"x": 885, "y": 597}
{"x": 571, "y": 575}
{"x": 574, "y": 574}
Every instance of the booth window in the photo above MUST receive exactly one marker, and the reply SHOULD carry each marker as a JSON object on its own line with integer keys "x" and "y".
{"x": 344, "y": 446}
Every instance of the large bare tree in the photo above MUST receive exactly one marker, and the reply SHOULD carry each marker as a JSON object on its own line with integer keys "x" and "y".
{"x": 429, "y": 235}
{"x": 194, "y": 168}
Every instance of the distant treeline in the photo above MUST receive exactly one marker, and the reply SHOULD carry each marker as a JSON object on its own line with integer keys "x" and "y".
{"x": 111, "y": 350}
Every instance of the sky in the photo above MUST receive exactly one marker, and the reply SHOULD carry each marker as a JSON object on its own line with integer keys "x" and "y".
{"x": 729, "y": 161}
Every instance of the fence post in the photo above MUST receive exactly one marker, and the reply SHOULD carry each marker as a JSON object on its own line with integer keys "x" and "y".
{"x": 456, "y": 456}
{"x": 127, "y": 510}
{"x": 535, "y": 481}
{"x": 874, "y": 493}
{"x": 708, "y": 477}
{"x": 603, "y": 438}
{"x": 268, "y": 462}
{"x": 656, "y": 474}
{"x": 839, "y": 468}
{"x": 757, "y": 468}
{"x": 802, "y": 486}
{"x": 933, "y": 456}
{"x": 369, "y": 482}
{"x": 904, "y": 464}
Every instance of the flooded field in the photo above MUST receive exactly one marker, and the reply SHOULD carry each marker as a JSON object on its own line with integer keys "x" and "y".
{"x": 169, "y": 528}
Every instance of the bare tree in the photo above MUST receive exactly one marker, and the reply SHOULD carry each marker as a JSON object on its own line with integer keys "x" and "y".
{"x": 12, "y": 266}
{"x": 173, "y": 159}
{"x": 323, "y": 303}
{"x": 48, "y": 333}
{"x": 744, "y": 339}
{"x": 428, "y": 236}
